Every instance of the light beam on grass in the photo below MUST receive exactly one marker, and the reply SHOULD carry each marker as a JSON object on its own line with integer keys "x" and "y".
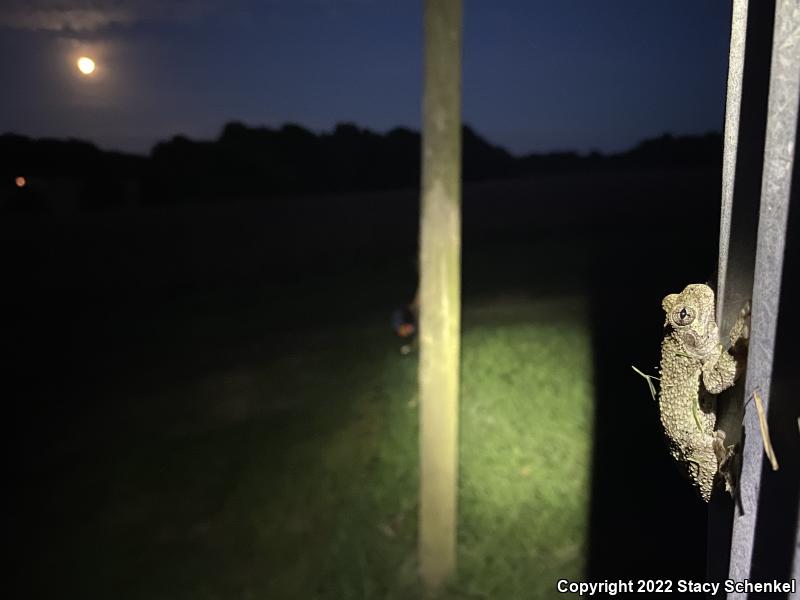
{"x": 527, "y": 414}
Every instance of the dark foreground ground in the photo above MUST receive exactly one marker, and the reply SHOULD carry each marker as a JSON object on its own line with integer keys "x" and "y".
{"x": 207, "y": 403}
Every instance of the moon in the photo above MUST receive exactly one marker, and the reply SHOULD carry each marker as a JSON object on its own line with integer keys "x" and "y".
{"x": 86, "y": 65}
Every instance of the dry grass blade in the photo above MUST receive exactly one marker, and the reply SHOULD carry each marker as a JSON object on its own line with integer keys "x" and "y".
{"x": 762, "y": 423}
{"x": 649, "y": 379}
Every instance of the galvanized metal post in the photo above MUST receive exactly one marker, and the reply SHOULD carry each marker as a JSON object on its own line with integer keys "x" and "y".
{"x": 745, "y": 129}
{"x": 733, "y": 108}
{"x": 779, "y": 154}
{"x": 718, "y": 544}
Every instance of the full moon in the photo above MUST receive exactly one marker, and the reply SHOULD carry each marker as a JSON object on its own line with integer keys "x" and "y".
{"x": 86, "y": 65}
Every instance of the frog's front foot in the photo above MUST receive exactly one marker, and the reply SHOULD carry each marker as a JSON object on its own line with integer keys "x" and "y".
{"x": 720, "y": 373}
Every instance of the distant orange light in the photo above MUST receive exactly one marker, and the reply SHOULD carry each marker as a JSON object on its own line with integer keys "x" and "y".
{"x": 21, "y": 182}
{"x": 405, "y": 330}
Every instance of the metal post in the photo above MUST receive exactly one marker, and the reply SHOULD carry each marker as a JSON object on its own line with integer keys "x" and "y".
{"x": 784, "y": 96}
{"x": 745, "y": 129}
{"x": 733, "y": 106}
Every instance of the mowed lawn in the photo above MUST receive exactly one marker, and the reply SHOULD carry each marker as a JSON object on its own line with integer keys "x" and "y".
{"x": 229, "y": 461}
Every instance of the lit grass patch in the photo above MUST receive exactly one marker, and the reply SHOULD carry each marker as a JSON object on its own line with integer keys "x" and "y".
{"x": 293, "y": 474}
{"x": 525, "y": 447}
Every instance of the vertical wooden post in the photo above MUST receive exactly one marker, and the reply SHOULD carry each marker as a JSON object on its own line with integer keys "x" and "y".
{"x": 440, "y": 290}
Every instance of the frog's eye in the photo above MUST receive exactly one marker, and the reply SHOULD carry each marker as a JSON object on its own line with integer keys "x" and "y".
{"x": 683, "y": 315}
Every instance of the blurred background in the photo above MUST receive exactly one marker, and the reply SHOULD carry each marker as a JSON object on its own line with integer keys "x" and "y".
{"x": 209, "y": 211}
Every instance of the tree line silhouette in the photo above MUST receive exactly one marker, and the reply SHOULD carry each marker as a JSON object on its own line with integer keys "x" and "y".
{"x": 260, "y": 162}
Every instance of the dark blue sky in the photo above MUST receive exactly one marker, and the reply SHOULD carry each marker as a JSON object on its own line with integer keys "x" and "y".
{"x": 538, "y": 76}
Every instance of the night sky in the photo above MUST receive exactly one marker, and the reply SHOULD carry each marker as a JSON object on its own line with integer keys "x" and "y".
{"x": 538, "y": 76}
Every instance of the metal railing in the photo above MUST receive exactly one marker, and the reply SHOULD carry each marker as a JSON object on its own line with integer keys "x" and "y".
{"x": 758, "y": 183}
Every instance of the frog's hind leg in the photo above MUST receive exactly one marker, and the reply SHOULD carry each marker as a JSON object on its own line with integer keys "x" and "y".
{"x": 726, "y": 461}
{"x": 741, "y": 328}
{"x": 702, "y": 463}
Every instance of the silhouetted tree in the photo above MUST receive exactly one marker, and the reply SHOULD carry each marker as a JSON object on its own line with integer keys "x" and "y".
{"x": 261, "y": 162}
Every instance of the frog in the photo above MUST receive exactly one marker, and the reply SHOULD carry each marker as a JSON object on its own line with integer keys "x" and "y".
{"x": 695, "y": 367}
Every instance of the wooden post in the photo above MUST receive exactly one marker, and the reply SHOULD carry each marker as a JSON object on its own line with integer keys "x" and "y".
{"x": 440, "y": 290}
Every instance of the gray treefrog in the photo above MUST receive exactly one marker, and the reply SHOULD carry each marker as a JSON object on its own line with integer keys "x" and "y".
{"x": 694, "y": 368}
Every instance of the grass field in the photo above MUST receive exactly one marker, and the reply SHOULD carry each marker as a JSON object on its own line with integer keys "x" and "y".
{"x": 207, "y": 402}
{"x": 243, "y": 462}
